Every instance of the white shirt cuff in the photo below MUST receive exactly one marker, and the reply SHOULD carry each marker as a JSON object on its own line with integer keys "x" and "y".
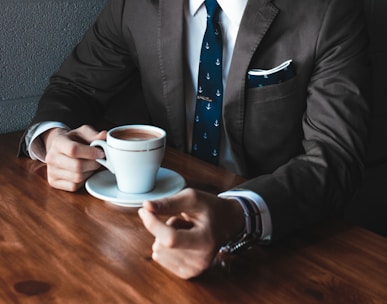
{"x": 34, "y": 144}
{"x": 262, "y": 207}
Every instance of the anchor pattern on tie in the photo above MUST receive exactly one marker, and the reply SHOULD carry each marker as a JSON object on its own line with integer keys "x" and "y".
{"x": 209, "y": 98}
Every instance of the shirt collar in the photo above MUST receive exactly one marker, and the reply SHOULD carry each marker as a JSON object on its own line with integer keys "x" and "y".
{"x": 232, "y": 8}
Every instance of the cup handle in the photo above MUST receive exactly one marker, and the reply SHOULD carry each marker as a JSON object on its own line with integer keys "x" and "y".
{"x": 104, "y": 162}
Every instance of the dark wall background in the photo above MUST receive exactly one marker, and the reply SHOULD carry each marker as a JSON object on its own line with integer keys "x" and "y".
{"x": 370, "y": 206}
{"x": 35, "y": 36}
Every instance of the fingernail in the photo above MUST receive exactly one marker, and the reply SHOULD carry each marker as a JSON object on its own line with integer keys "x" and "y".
{"x": 100, "y": 154}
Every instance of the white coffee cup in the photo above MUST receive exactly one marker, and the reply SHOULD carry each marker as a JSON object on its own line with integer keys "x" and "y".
{"x": 133, "y": 154}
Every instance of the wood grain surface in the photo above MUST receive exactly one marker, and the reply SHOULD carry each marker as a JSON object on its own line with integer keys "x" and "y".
{"x": 60, "y": 247}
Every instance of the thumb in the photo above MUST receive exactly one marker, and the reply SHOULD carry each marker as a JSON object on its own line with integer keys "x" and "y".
{"x": 184, "y": 201}
{"x": 100, "y": 135}
{"x": 86, "y": 134}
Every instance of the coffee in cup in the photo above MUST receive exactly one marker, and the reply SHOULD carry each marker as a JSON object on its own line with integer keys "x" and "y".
{"x": 133, "y": 154}
{"x": 135, "y": 134}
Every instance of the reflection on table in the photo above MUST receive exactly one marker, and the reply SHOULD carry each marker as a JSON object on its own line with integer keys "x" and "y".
{"x": 60, "y": 247}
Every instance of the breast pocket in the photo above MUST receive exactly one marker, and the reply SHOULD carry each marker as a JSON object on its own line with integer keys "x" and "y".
{"x": 276, "y": 92}
{"x": 273, "y": 123}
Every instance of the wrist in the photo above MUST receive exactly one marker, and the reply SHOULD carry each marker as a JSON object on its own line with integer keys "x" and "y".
{"x": 252, "y": 227}
{"x": 237, "y": 223}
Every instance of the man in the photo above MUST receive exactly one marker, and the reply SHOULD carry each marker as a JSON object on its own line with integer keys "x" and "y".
{"x": 300, "y": 141}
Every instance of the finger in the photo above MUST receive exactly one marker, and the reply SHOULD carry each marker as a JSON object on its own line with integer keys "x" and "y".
{"x": 156, "y": 227}
{"x": 70, "y": 184}
{"x": 58, "y": 160}
{"x": 56, "y": 173}
{"x": 183, "y": 263}
{"x": 171, "y": 263}
{"x": 178, "y": 222}
{"x": 65, "y": 185}
{"x": 86, "y": 134}
{"x": 75, "y": 143}
{"x": 167, "y": 235}
{"x": 186, "y": 200}
{"x": 170, "y": 237}
{"x": 65, "y": 179}
{"x": 74, "y": 149}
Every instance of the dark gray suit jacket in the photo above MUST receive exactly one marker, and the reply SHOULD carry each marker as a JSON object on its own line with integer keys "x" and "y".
{"x": 301, "y": 143}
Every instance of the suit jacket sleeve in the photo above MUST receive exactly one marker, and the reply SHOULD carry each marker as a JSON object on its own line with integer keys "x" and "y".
{"x": 318, "y": 182}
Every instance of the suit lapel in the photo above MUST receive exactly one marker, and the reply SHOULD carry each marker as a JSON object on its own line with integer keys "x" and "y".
{"x": 257, "y": 18}
{"x": 171, "y": 48}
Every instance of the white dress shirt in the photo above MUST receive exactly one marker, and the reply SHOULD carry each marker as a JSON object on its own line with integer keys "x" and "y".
{"x": 195, "y": 18}
{"x": 229, "y": 19}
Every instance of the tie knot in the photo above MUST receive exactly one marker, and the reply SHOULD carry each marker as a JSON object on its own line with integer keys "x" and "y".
{"x": 213, "y": 9}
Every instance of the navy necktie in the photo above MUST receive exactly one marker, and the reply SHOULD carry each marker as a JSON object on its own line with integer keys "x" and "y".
{"x": 208, "y": 112}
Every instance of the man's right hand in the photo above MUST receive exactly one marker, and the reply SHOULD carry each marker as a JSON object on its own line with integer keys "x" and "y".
{"x": 70, "y": 160}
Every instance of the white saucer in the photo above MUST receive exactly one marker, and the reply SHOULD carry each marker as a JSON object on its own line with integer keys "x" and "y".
{"x": 103, "y": 185}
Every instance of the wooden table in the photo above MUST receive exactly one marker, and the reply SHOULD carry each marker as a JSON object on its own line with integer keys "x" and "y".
{"x": 59, "y": 247}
